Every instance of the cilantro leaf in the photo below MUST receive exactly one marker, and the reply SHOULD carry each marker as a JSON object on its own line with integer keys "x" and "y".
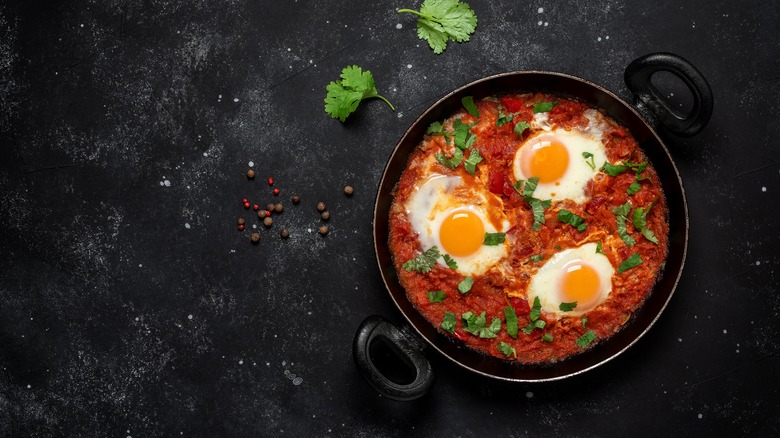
{"x": 614, "y": 169}
{"x": 584, "y": 321}
{"x": 572, "y": 219}
{"x": 543, "y": 107}
{"x": 566, "y": 307}
{"x": 530, "y": 186}
{"x": 517, "y": 185}
{"x": 435, "y": 128}
{"x": 449, "y": 322}
{"x": 536, "y": 310}
{"x": 599, "y": 250}
{"x": 537, "y": 207}
{"x": 440, "y": 21}
{"x": 633, "y": 261}
{"x": 471, "y": 107}
{"x": 471, "y": 162}
{"x": 537, "y": 257}
{"x": 436, "y": 296}
{"x": 533, "y": 325}
{"x": 623, "y": 209}
{"x": 465, "y": 286}
{"x": 493, "y": 239}
{"x": 548, "y": 337}
{"x": 345, "y": 95}
{"x": 450, "y": 163}
{"x": 511, "y": 321}
{"x": 450, "y": 261}
{"x": 476, "y": 325}
{"x": 585, "y": 340}
{"x": 520, "y": 127}
{"x": 503, "y": 119}
{"x": 462, "y": 134}
{"x": 424, "y": 262}
{"x": 640, "y": 223}
{"x": 633, "y": 188}
{"x": 589, "y": 160}
{"x": 507, "y": 349}
{"x": 622, "y": 232}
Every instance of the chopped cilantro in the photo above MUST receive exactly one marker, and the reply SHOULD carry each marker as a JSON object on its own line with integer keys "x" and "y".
{"x": 536, "y": 310}
{"x": 589, "y": 160}
{"x": 507, "y": 349}
{"x": 623, "y": 209}
{"x": 640, "y": 223}
{"x": 435, "y": 128}
{"x": 462, "y": 135}
{"x": 537, "y": 207}
{"x": 517, "y": 185}
{"x": 584, "y": 321}
{"x": 465, "y": 286}
{"x": 585, "y": 340}
{"x": 511, "y": 321}
{"x": 449, "y": 322}
{"x": 520, "y": 127}
{"x": 633, "y": 188}
{"x": 345, "y": 95}
{"x": 502, "y": 118}
{"x": 471, "y": 107}
{"x": 493, "y": 239}
{"x": 633, "y": 261}
{"x": 620, "y": 218}
{"x": 471, "y": 162}
{"x": 572, "y": 219}
{"x": 543, "y": 107}
{"x": 450, "y": 261}
{"x": 424, "y": 262}
{"x": 450, "y": 163}
{"x": 476, "y": 325}
{"x": 436, "y": 296}
{"x": 548, "y": 337}
{"x": 566, "y": 307}
{"x": 440, "y": 21}
{"x": 533, "y": 325}
{"x": 614, "y": 169}
{"x": 598, "y": 249}
{"x": 537, "y": 258}
{"x": 530, "y": 186}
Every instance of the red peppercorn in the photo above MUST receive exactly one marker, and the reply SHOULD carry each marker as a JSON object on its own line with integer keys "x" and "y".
{"x": 276, "y": 191}
{"x": 256, "y": 207}
{"x": 241, "y": 227}
{"x": 270, "y": 181}
{"x": 246, "y": 204}
{"x": 267, "y": 213}
{"x": 245, "y": 201}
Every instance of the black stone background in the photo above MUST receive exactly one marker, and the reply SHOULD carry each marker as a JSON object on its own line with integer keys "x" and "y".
{"x": 129, "y": 307}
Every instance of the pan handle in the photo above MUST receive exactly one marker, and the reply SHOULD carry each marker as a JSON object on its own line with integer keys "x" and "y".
{"x": 637, "y": 77}
{"x": 377, "y": 329}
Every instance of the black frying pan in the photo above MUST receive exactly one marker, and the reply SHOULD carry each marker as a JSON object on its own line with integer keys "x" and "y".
{"x": 649, "y": 102}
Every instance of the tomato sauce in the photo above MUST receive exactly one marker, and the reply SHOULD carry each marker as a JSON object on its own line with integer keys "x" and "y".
{"x": 493, "y": 291}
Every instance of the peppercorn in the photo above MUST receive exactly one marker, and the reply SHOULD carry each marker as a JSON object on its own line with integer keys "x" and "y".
{"x": 320, "y": 206}
{"x": 276, "y": 191}
{"x": 261, "y": 214}
{"x": 295, "y": 199}
{"x": 241, "y": 227}
{"x": 240, "y": 221}
{"x": 267, "y": 213}
{"x": 270, "y": 181}
{"x": 270, "y": 206}
{"x": 255, "y": 207}
{"x": 278, "y": 208}
{"x": 268, "y": 222}
{"x": 250, "y": 174}
{"x": 246, "y": 204}
{"x": 324, "y": 230}
{"x": 255, "y": 237}
{"x": 284, "y": 233}
{"x": 325, "y": 215}
{"x": 348, "y": 190}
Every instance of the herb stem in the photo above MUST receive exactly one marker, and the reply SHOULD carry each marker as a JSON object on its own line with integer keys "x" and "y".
{"x": 412, "y": 11}
{"x": 386, "y": 101}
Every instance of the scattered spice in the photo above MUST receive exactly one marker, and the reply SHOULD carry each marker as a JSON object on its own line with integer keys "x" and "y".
{"x": 255, "y": 237}
{"x": 348, "y": 190}
{"x": 250, "y": 174}
{"x": 270, "y": 206}
{"x": 241, "y": 227}
{"x": 278, "y": 208}
{"x": 270, "y": 181}
{"x": 240, "y": 221}
{"x": 246, "y": 204}
{"x": 284, "y": 233}
{"x": 320, "y": 206}
{"x": 276, "y": 192}
{"x": 267, "y": 213}
{"x": 268, "y": 221}
{"x": 295, "y": 199}
{"x": 261, "y": 214}
{"x": 325, "y": 215}
{"x": 324, "y": 230}
{"x": 256, "y": 207}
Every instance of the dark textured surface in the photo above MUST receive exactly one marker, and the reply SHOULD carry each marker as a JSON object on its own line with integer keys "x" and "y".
{"x": 131, "y": 306}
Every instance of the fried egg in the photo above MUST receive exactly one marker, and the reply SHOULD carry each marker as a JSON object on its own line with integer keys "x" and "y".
{"x": 454, "y": 216}
{"x": 578, "y": 275}
{"x": 556, "y": 158}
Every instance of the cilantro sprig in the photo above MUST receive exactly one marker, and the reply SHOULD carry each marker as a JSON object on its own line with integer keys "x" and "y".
{"x": 537, "y": 205}
{"x": 477, "y": 325}
{"x": 536, "y": 322}
{"x": 424, "y": 262}
{"x": 345, "y": 95}
{"x": 439, "y": 21}
{"x": 507, "y": 349}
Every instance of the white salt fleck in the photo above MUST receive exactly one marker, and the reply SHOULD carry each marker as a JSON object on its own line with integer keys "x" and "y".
{"x": 189, "y": 316}
{"x": 162, "y": 183}
{"x": 205, "y": 154}
{"x": 546, "y": 23}
{"x": 240, "y": 362}
{"x": 606, "y": 37}
{"x": 400, "y": 114}
{"x": 219, "y": 97}
{"x": 308, "y": 229}
{"x": 758, "y": 262}
{"x": 679, "y": 339}
{"x": 167, "y": 183}
{"x": 408, "y": 65}
{"x": 725, "y": 331}
{"x": 251, "y": 164}
{"x": 235, "y": 99}
{"x": 29, "y": 386}
{"x": 763, "y": 189}
{"x": 254, "y": 226}
{"x": 311, "y": 61}
{"x": 699, "y": 416}
{"x": 187, "y": 225}
{"x": 540, "y": 10}
{"x": 136, "y": 318}
{"x": 82, "y": 25}
{"x": 540, "y": 22}
{"x": 399, "y": 26}
{"x": 529, "y": 394}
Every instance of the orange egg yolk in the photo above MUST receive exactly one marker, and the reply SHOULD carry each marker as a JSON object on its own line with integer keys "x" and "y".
{"x": 462, "y": 233}
{"x": 579, "y": 283}
{"x": 548, "y": 160}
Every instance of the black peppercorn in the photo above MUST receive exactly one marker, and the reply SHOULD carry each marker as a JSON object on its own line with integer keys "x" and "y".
{"x": 295, "y": 199}
{"x": 268, "y": 221}
{"x": 325, "y": 215}
{"x": 278, "y": 208}
{"x": 324, "y": 230}
{"x": 284, "y": 233}
{"x": 320, "y": 206}
{"x": 255, "y": 237}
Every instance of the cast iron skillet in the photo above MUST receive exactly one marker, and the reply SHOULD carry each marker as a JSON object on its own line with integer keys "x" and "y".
{"x": 656, "y": 111}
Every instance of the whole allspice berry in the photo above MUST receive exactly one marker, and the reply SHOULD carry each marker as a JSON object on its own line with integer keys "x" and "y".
{"x": 278, "y": 208}
{"x": 240, "y": 221}
{"x": 325, "y": 215}
{"x": 320, "y": 206}
{"x": 250, "y": 174}
{"x": 268, "y": 221}
{"x": 284, "y": 233}
{"x": 270, "y": 206}
{"x": 324, "y": 230}
{"x": 295, "y": 199}
{"x": 255, "y": 237}
{"x": 261, "y": 214}
{"x": 348, "y": 190}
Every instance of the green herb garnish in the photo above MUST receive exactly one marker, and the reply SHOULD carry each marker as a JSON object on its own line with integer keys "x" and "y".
{"x": 633, "y": 188}
{"x": 450, "y": 261}
{"x": 493, "y": 239}
{"x": 435, "y": 128}
{"x": 507, "y": 349}
{"x": 537, "y": 207}
{"x": 502, "y": 118}
{"x": 566, "y": 307}
{"x": 476, "y": 325}
{"x": 533, "y": 325}
{"x": 589, "y": 160}
{"x": 436, "y": 296}
{"x": 537, "y": 258}
{"x": 633, "y": 261}
{"x": 598, "y": 249}
{"x": 536, "y": 310}
{"x": 511, "y": 321}
{"x": 543, "y": 107}
{"x": 471, "y": 162}
{"x": 584, "y": 321}
{"x": 572, "y": 219}
{"x": 450, "y": 163}
{"x": 547, "y": 337}
{"x": 424, "y": 262}
{"x": 614, "y": 169}
{"x": 462, "y": 134}
{"x": 449, "y": 322}
{"x": 585, "y": 340}
{"x": 620, "y": 218}
{"x": 345, "y": 95}
{"x": 640, "y": 223}
{"x": 471, "y": 107}
{"x": 465, "y": 286}
{"x": 530, "y": 186}
{"x": 439, "y": 21}
{"x": 520, "y": 127}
